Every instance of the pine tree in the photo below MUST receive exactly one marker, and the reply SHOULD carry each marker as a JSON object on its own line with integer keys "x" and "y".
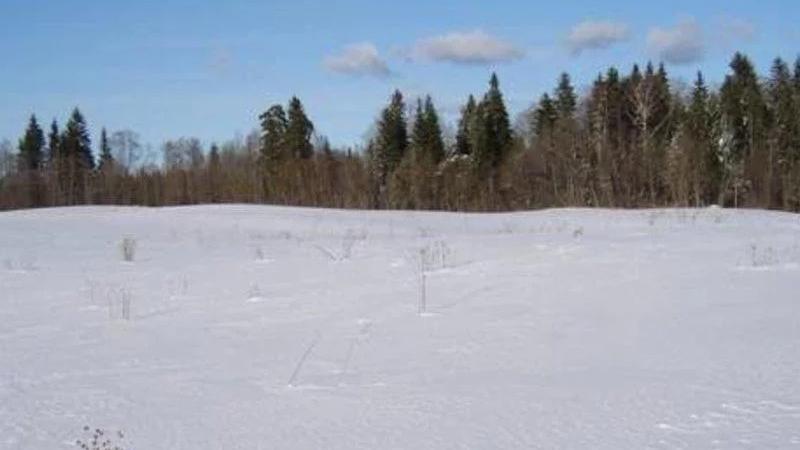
{"x": 214, "y": 174}
{"x": 391, "y": 141}
{"x": 273, "y": 136}
{"x": 77, "y": 159}
{"x": 76, "y": 141}
{"x": 298, "y": 131}
{"x": 663, "y": 107}
{"x": 745, "y": 116}
{"x": 493, "y": 131}
{"x": 463, "y": 145}
{"x": 414, "y": 183}
{"x": 785, "y": 133}
{"x": 797, "y": 75}
{"x": 53, "y": 144}
{"x": 213, "y": 156}
{"x": 106, "y": 158}
{"x": 704, "y": 157}
{"x": 426, "y": 136}
{"x": 544, "y": 117}
{"x": 31, "y": 147}
{"x": 566, "y": 99}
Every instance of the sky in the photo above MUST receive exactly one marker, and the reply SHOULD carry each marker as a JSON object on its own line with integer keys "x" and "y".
{"x": 172, "y": 68}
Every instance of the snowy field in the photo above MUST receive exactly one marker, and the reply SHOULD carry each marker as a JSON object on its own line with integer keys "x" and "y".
{"x": 248, "y": 327}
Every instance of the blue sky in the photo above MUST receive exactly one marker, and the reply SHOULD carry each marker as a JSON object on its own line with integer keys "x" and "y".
{"x": 173, "y": 68}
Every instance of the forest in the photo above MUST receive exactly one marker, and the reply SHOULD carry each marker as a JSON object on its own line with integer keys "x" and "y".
{"x": 635, "y": 139}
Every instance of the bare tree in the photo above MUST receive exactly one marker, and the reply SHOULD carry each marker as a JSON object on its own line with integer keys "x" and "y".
{"x": 645, "y": 99}
{"x": 7, "y": 158}
{"x": 126, "y": 148}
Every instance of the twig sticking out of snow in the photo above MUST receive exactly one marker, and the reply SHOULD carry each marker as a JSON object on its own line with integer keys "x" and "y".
{"x": 348, "y": 242}
{"x": 128, "y": 248}
{"x": 302, "y": 359}
{"x": 423, "y": 256}
{"x": 121, "y": 298}
{"x": 362, "y": 335}
{"x": 327, "y": 252}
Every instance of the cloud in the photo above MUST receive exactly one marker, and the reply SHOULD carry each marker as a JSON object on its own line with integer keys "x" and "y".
{"x": 682, "y": 44}
{"x": 358, "y": 59}
{"x": 735, "y": 29}
{"x": 592, "y": 35}
{"x": 472, "y": 47}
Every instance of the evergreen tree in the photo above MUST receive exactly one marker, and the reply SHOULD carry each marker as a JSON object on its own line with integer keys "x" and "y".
{"x": 31, "y": 147}
{"x": 704, "y": 157}
{"x": 493, "y": 131}
{"x": 463, "y": 145}
{"x": 744, "y": 107}
{"x": 53, "y": 143}
{"x": 298, "y": 131}
{"x": 273, "y": 136}
{"x": 745, "y": 115}
{"x": 566, "y": 100}
{"x": 785, "y": 133}
{"x": 76, "y": 160}
{"x": 665, "y": 126}
{"x": 106, "y": 158}
{"x": 76, "y": 141}
{"x": 545, "y": 116}
{"x": 426, "y": 136}
{"x": 797, "y": 75}
{"x": 391, "y": 141}
{"x": 213, "y": 156}
{"x": 783, "y": 109}
{"x": 214, "y": 173}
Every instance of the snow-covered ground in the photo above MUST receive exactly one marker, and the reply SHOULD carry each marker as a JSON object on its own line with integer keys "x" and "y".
{"x": 262, "y": 327}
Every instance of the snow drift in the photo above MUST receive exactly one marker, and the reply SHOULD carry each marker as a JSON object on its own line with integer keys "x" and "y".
{"x": 264, "y": 327}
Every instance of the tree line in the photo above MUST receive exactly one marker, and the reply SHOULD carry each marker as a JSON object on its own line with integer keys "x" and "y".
{"x": 633, "y": 140}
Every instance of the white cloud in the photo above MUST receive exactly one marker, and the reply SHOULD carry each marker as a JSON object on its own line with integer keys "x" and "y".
{"x": 358, "y": 59}
{"x": 472, "y": 47}
{"x": 591, "y": 35}
{"x": 682, "y": 44}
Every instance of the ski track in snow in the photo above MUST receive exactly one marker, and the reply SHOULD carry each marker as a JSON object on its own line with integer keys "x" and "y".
{"x": 270, "y": 327}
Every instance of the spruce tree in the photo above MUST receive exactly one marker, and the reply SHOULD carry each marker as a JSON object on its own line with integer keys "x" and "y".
{"x": 544, "y": 117}
{"x": 77, "y": 143}
{"x": 463, "y": 145}
{"x": 298, "y": 131}
{"x": 745, "y": 115}
{"x": 273, "y": 136}
{"x": 31, "y": 147}
{"x": 782, "y": 106}
{"x": 76, "y": 159}
{"x": 426, "y": 134}
{"x": 704, "y": 157}
{"x": 744, "y": 107}
{"x": 663, "y": 107}
{"x": 566, "y": 100}
{"x": 494, "y": 130}
{"x": 797, "y": 75}
{"x": 214, "y": 173}
{"x": 391, "y": 141}
{"x": 785, "y": 133}
{"x": 213, "y": 156}
{"x": 53, "y": 144}
{"x": 106, "y": 158}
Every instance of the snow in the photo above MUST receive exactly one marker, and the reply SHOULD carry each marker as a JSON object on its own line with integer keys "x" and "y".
{"x": 265, "y": 327}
